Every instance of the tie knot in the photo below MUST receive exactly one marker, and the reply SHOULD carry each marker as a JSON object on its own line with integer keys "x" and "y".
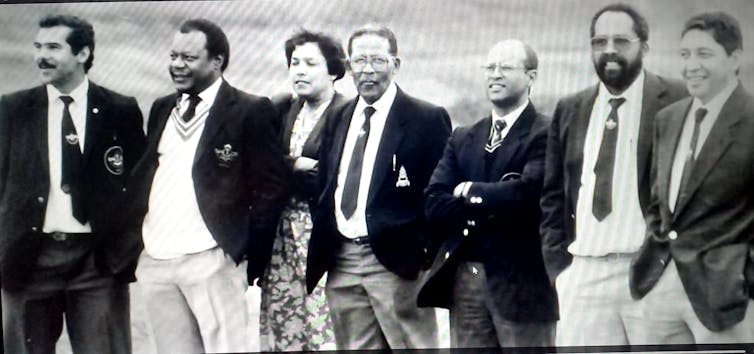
{"x": 369, "y": 111}
{"x": 700, "y": 114}
{"x": 66, "y": 100}
{"x": 616, "y": 102}
{"x": 194, "y": 100}
{"x": 499, "y": 125}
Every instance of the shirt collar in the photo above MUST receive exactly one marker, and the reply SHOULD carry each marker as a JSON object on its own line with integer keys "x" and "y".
{"x": 715, "y": 105}
{"x": 632, "y": 94}
{"x": 209, "y": 94}
{"x": 383, "y": 103}
{"x": 511, "y": 117}
{"x": 78, "y": 94}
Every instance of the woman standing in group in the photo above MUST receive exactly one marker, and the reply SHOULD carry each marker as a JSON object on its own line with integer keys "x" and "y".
{"x": 289, "y": 319}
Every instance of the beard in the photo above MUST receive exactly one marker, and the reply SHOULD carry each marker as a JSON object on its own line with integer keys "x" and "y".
{"x": 621, "y": 78}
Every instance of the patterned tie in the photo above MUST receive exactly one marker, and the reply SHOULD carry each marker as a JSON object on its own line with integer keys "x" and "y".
{"x": 353, "y": 178}
{"x": 690, "y": 160}
{"x": 71, "y": 162}
{"x": 496, "y": 137}
{"x": 602, "y": 202}
{"x": 191, "y": 110}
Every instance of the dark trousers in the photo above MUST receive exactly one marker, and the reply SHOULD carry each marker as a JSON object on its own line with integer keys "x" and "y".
{"x": 474, "y": 322}
{"x": 66, "y": 282}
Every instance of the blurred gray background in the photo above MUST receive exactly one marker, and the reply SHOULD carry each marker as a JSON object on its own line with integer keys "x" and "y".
{"x": 442, "y": 45}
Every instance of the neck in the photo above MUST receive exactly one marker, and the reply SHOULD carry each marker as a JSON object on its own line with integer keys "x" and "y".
{"x": 315, "y": 101}
{"x": 69, "y": 85}
{"x": 504, "y": 108}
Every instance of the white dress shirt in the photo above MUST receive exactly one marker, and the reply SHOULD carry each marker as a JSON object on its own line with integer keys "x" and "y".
{"x": 174, "y": 227}
{"x": 714, "y": 106}
{"x": 356, "y": 226}
{"x": 621, "y": 231}
{"x": 59, "y": 212}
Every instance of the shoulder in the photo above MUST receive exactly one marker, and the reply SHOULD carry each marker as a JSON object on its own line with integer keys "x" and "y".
{"x": 577, "y": 98}
{"x": 111, "y": 96}
{"x": 678, "y": 106}
{"x": 412, "y": 103}
{"x": 675, "y": 88}
{"x": 22, "y": 96}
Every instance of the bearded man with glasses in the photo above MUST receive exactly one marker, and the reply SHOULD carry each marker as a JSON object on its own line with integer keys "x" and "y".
{"x": 377, "y": 155}
{"x": 597, "y": 183}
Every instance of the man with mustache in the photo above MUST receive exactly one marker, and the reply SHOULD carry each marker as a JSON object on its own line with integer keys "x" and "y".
{"x": 695, "y": 273}
{"x": 209, "y": 190}
{"x": 376, "y": 157}
{"x": 66, "y": 151}
{"x": 597, "y": 184}
{"x": 484, "y": 194}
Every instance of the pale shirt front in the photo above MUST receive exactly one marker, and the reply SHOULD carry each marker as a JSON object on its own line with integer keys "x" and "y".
{"x": 305, "y": 122}
{"x": 509, "y": 119}
{"x": 174, "y": 227}
{"x": 621, "y": 231}
{"x": 59, "y": 211}
{"x": 356, "y": 226}
{"x": 714, "y": 106}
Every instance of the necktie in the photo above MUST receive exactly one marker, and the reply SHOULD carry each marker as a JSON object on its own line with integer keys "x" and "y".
{"x": 496, "y": 138}
{"x": 602, "y": 202}
{"x": 353, "y": 178}
{"x": 191, "y": 110}
{"x": 690, "y": 160}
{"x": 71, "y": 162}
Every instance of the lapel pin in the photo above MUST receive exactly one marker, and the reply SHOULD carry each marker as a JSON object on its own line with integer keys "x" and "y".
{"x": 402, "y": 178}
{"x": 610, "y": 124}
{"x": 72, "y": 139}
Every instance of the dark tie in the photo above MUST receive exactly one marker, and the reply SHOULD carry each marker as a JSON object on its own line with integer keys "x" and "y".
{"x": 602, "y": 202}
{"x": 191, "y": 110}
{"x": 71, "y": 162}
{"x": 690, "y": 160}
{"x": 353, "y": 178}
{"x": 496, "y": 138}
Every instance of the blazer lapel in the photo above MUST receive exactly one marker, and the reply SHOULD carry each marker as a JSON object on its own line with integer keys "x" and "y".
{"x": 473, "y": 154}
{"x": 389, "y": 142}
{"x": 311, "y": 146}
{"x": 38, "y": 108}
{"x": 218, "y": 114}
{"x": 512, "y": 142}
{"x": 719, "y": 139}
{"x": 666, "y": 153}
{"x": 290, "y": 119}
{"x": 339, "y": 139}
{"x": 653, "y": 99}
{"x": 578, "y": 123}
{"x": 94, "y": 113}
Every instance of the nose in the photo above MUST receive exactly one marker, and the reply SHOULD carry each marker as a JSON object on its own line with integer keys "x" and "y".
{"x": 691, "y": 63}
{"x": 368, "y": 68}
{"x": 610, "y": 47}
{"x": 177, "y": 62}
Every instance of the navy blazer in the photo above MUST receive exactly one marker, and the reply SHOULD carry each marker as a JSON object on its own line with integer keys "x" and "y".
{"x": 415, "y": 134}
{"x": 713, "y": 224}
{"x": 239, "y": 199}
{"x": 565, "y": 157}
{"x": 113, "y": 124}
{"x": 501, "y": 213}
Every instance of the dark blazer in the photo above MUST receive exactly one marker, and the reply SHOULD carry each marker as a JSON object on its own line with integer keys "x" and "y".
{"x": 501, "y": 213}
{"x": 565, "y": 150}
{"x": 415, "y": 133}
{"x": 713, "y": 219}
{"x": 112, "y": 121}
{"x": 304, "y": 184}
{"x": 240, "y": 199}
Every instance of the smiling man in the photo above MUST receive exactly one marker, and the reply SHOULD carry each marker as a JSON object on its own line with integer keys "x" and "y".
{"x": 597, "y": 186}
{"x": 66, "y": 150}
{"x": 695, "y": 272}
{"x": 209, "y": 191}
{"x": 369, "y": 233}
{"x": 484, "y": 194}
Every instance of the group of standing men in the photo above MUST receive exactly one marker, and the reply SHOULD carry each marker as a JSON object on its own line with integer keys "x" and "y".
{"x": 624, "y": 219}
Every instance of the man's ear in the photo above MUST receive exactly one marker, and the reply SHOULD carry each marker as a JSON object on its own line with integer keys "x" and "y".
{"x": 83, "y": 55}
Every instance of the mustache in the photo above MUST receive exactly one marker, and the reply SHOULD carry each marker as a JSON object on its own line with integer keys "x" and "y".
{"x": 604, "y": 58}
{"x": 44, "y": 64}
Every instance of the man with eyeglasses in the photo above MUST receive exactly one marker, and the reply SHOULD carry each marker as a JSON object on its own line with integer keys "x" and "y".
{"x": 695, "y": 273}
{"x": 484, "y": 193}
{"x": 597, "y": 183}
{"x": 377, "y": 155}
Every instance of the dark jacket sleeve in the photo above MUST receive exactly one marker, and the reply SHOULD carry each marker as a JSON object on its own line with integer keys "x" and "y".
{"x": 439, "y": 202}
{"x": 4, "y": 142}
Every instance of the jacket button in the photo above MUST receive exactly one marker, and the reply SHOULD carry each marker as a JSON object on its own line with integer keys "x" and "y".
{"x": 124, "y": 189}
{"x": 34, "y": 228}
{"x": 573, "y": 216}
{"x": 447, "y": 255}
{"x": 470, "y": 223}
{"x": 672, "y": 235}
{"x": 662, "y": 261}
{"x": 41, "y": 199}
{"x": 465, "y": 232}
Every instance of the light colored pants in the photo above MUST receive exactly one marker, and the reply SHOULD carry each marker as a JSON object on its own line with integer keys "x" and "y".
{"x": 371, "y": 308}
{"x": 476, "y": 323}
{"x": 670, "y": 319}
{"x": 596, "y": 307}
{"x": 195, "y": 303}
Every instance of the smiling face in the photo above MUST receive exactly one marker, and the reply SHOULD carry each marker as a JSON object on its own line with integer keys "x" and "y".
{"x": 508, "y": 81}
{"x": 55, "y": 59}
{"x": 617, "y": 67}
{"x": 371, "y": 82}
{"x": 308, "y": 72}
{"x": 706, "y": 66}
{"x": 191, "y": 67}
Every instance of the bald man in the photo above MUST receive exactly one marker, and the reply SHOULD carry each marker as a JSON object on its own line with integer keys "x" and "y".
{"x": 485, "y": 193}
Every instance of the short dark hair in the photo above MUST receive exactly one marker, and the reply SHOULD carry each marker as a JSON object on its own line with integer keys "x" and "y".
{"x": 378, "y": 30}
{"x": 217, "y": 42}
{"x": 530, "y": 60}
{"x": 330, "y": 48}
{"x": 640, "y": 23}
{"x": 723, "y": 27}
{"x": 82, "y": 34}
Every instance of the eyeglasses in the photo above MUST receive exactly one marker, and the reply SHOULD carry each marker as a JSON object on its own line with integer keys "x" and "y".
{"x": 504, "y": 69}
{"x": 621, "y": 43}
{"x": 377, "y": 63}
